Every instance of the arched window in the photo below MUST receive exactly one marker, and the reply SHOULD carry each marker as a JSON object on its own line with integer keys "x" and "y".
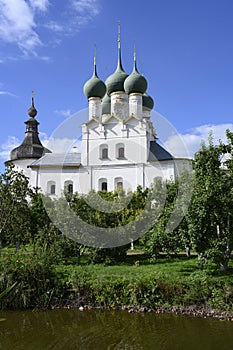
{"x": 103, "y": 154}
{"x": 120, "y": 151}
{"x": 51, "y": 187}
{"x": 103, "y": 184}
{"x": 68, "y": 186}
{"x": 118, "y": 183}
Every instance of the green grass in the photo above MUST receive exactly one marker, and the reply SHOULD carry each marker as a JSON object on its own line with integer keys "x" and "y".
{"x": 166, "y": 282}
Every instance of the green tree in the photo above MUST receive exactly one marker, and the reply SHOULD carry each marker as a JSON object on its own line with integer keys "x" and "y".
{"x": 14, "y": 211}
{"x": 210, "y": 213}
{"x": 168, "y": 234}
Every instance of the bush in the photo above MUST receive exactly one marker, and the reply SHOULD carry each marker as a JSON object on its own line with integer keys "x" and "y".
{"x": 35, "y": 277}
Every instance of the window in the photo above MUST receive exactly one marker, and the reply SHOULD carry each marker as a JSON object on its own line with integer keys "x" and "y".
{"x": 118, "y": 183}
{"x": 103, "y": 185}
{"x": 120, "y": 151}
{"x": 68, "y": 187}
{"x": 103, "y": 152}
{"x": 51, "y": 187}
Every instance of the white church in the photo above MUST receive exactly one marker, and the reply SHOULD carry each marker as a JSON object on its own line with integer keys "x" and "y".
{"x": 119, "y": 147}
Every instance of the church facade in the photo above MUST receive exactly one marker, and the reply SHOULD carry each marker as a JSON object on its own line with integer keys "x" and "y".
{"x": 119, "y": 147}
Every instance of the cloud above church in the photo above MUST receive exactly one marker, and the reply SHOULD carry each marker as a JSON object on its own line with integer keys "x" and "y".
{"x": 25, "y": 23}
{"x": 7, "y": 146}
{"x": 193, "y": 138}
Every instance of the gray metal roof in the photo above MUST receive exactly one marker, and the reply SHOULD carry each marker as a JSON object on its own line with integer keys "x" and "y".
{"x": 157, "y": 152}
{"x": 58, "y": 159}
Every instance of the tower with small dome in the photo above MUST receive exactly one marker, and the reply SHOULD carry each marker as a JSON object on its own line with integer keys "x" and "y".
{"x": 31, "y": 147}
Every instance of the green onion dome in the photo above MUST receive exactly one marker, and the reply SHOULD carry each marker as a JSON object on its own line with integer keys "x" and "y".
{"x": 135, "y": 83}
{"x": 106, "y": 104}
{"x": 147, "y": 101}
{"x": 94, "y": 87}
{"x": 115, "y": 82}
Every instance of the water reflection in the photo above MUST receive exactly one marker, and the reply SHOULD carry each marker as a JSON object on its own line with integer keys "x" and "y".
{"x": 95, "y": 330}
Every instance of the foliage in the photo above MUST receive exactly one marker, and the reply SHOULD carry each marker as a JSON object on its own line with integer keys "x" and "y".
{"x": 171, "y": 283}
{"x": 33, "y": 275}
{"x": 169, "y": 233}
{"x": 14, "y": 212}
{"x": 64, "y": 226}
{"x": 210, "y": 218}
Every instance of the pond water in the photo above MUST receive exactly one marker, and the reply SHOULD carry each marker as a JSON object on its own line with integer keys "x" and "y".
{"x": 106, "y": 330}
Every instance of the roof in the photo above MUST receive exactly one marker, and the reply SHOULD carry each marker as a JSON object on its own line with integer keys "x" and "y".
{"x": 58, "y": 160}
{"x": 31, "y": 146}
{"x": 157, "y": 152}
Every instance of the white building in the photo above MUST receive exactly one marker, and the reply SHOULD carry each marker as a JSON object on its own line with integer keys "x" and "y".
{"x": 119, "y": 145}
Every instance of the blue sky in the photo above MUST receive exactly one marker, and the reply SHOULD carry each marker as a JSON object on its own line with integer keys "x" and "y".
{"x": 184, "y": 48}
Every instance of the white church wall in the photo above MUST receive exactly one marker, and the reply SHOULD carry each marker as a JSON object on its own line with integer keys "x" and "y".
{"x": 135, "y": 105}
{"x": 79, "y": 177}
{"x": 22, "y": 165}
{"x": 163, "y": 169}
{"x": 131, "y": 176}
{"x": 119, "y": 105}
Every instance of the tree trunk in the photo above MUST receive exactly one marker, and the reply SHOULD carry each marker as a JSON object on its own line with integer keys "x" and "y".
{"x": 224, "y": 266}
{"x": 188, "y": 251}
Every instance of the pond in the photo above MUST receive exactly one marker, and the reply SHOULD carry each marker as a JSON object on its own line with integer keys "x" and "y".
{"x": 99, "y": 330}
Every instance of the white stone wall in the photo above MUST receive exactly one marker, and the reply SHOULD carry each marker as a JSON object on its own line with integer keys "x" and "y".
{"x": 86, "y": 178}
{"x": 95, "y": 108}
{"x": 133, "y": 135}
{"x": 135, "y": 105}
{"x": 23, "y": 165}
{"x": 120, "y": 105}
{"x": 78, "y": 176}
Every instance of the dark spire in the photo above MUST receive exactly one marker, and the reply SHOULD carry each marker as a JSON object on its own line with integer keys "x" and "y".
{"x": 119, "y": 62}
{"x": 32, "y": 112}
{"x": 115, "y": 82}
{"x": 31, "y": 146}
{"x": 94, "y": 87}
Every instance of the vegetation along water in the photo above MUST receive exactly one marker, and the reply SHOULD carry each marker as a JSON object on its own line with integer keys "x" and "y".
{"x": 184, "y": 271}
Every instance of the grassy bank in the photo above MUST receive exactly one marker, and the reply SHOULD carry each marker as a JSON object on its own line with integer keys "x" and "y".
{"x": 167, "y": 283}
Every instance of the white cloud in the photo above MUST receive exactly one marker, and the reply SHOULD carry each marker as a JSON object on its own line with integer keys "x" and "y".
{"x": 89, "y": 8}
{"x": 74, "y": 15}
{"x": 61, "y": 145}
{"x": 55, "y": 27}
{"x": 20, "y": 24}
{"x": 183, "y": 145}
{"x": 63, "y": 112}
{"x": 2, "y": 92}
{"x": 7, "y": 147}
{"x": 41, "y": 5}
{"x": 17, "y": 25}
